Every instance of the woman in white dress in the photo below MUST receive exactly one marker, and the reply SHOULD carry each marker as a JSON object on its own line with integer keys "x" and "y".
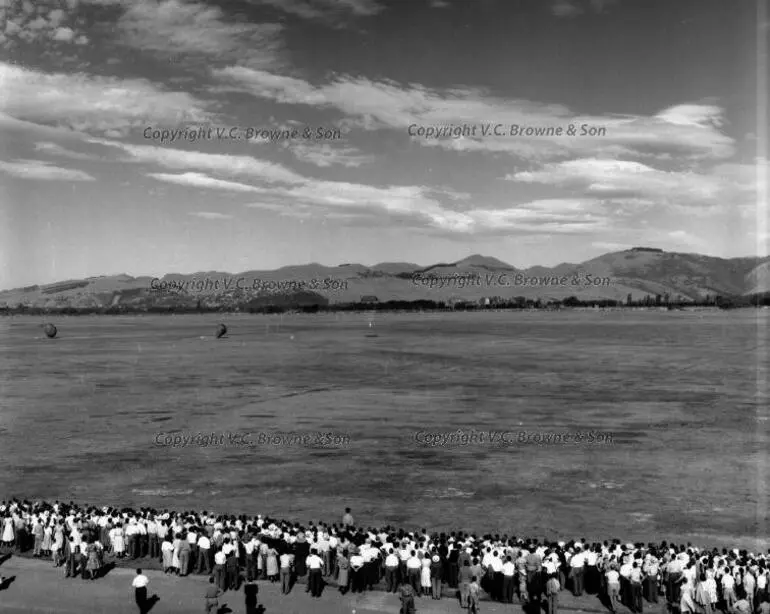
{"x": 687, "y": 601}
{"x": 175, "y": 564}
{"x": 167, "y": 551}
{"x": 9, "y": 533}
{"x": 47, "y": 539}
{"x": 425, "y": 574}
{"x": 57, "y": 545}
{"x": 118, "y": 541}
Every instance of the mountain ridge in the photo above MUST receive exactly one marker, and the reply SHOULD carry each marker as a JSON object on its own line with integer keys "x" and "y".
{"x": 614, "y": 275}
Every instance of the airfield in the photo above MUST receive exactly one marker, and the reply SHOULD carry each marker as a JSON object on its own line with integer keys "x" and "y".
{"x": 87, "y": 417}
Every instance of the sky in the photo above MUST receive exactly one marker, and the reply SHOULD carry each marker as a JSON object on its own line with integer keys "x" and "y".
{"x": 367, "y": 131}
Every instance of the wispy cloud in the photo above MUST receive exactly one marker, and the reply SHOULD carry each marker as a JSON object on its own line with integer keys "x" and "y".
{"x": 182, "y": 28}
{"x": 691, "y": 130}
{"x": 332, "y": 12}
{"x": 612, "y": 246}
{"x": 325, "y": 155}
{"x": 168, "y": 157}
{"x": 199, "y": 180}
{"x": 623, "y": 179}
{"x": 572, "y": 8}
{"x": 44, "y": 171}
{"x": 57, "y": 150}
{"x": 565, "y": 8}
{"x": 84, "y": 102}
{"x": 210, "y": 215}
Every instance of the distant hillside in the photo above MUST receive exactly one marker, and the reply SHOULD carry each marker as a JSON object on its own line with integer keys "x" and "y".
{"x": 638, "y": 272}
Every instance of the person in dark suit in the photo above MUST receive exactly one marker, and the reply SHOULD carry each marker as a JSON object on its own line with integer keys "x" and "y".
{"x": 251, "y": 589}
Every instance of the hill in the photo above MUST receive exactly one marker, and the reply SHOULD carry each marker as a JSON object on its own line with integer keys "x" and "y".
{"x": 638, "y": 272}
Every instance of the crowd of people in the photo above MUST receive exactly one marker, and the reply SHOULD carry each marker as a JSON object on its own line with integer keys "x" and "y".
{"x": 417, "y": 564}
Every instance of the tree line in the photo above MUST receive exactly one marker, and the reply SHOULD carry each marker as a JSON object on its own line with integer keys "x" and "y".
{"x": 303, "y": 305}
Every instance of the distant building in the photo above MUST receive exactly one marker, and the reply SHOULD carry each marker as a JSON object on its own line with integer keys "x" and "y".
{"x": 484, "y": 301}
{"x": 369, "y": 298}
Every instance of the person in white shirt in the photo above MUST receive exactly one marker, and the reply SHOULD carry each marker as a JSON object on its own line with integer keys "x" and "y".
{"x": 152, "y": 537}
{"x": 285, "y": 564}
{"x": 592, "y": 571}
{"x": 333, "y": 552}
{"x": 220, "y": 559}
{"x": 315, "y": 566}
{"x": 762, "y": 586}
{"x": 140, "y": 583}
{"x": 391, "y": 571}
{"x": 509, "y": 585}
{"x": 204, "y": 555}
{"x": 613, "y": 587}
{"x": 749, "y": 585}
{"x": 356, "y": 572}
{"x": 250, "y": 554}
{"x": 496, "y": 565}
{"x": 324, "y": 551}
{"x": 413, "y": 567}
{"x": 577, "y": 567}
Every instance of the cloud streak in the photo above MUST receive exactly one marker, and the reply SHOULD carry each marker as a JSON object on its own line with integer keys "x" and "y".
{"x": 43, "y": 171}
{"x": 690, "y": 130}
{"x": 87, "y": 103}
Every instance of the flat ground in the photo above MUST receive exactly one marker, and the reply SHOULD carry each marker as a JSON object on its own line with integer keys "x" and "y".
{"x": 40, "y": 589}
{"x": 678, "y": 391}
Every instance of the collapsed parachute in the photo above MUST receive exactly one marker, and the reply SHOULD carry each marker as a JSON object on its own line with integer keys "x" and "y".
{"x": 50, "y": 331}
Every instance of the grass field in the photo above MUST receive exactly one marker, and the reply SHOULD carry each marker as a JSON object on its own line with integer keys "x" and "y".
{"x": 677, "y": 391}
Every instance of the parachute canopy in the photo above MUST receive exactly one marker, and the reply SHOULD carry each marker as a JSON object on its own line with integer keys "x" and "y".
{"x": 221, "y": 331}
{"x": 50, "y": 330}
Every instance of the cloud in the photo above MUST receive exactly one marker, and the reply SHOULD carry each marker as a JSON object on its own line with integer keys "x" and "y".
{"x": 8, "y": 123}
{"x": 682, "y": 237}
{"x": 416, "y": 206}
{"x": 723, "y": 187}
{"x": 690, "y": 130}
{"x": 329, "y": 11}
{"x": 179, "y": 27}
{"x": 37, "y": 169}
{"x": 622, "y": 179}
{"x": 42, "y": 24}
{"x": 439, "y": 4}
{"x": 92, "y": 103}
{"x": 168, "y": 157}
{"x": 600, "y": 5}
{"x": 193, "y": 29}
{"x": 211, "y": 215}
{"x": 572, "y": 8}
{"x": 324, "y": 155}
{"x": 199, "y": 180}
{"x": 545, "y": 216}
{"x": 615, "y": 247}
{"x": 63, "y": 34}
{"x": 565, "y": 8}
{"x": 57, "y": 150}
